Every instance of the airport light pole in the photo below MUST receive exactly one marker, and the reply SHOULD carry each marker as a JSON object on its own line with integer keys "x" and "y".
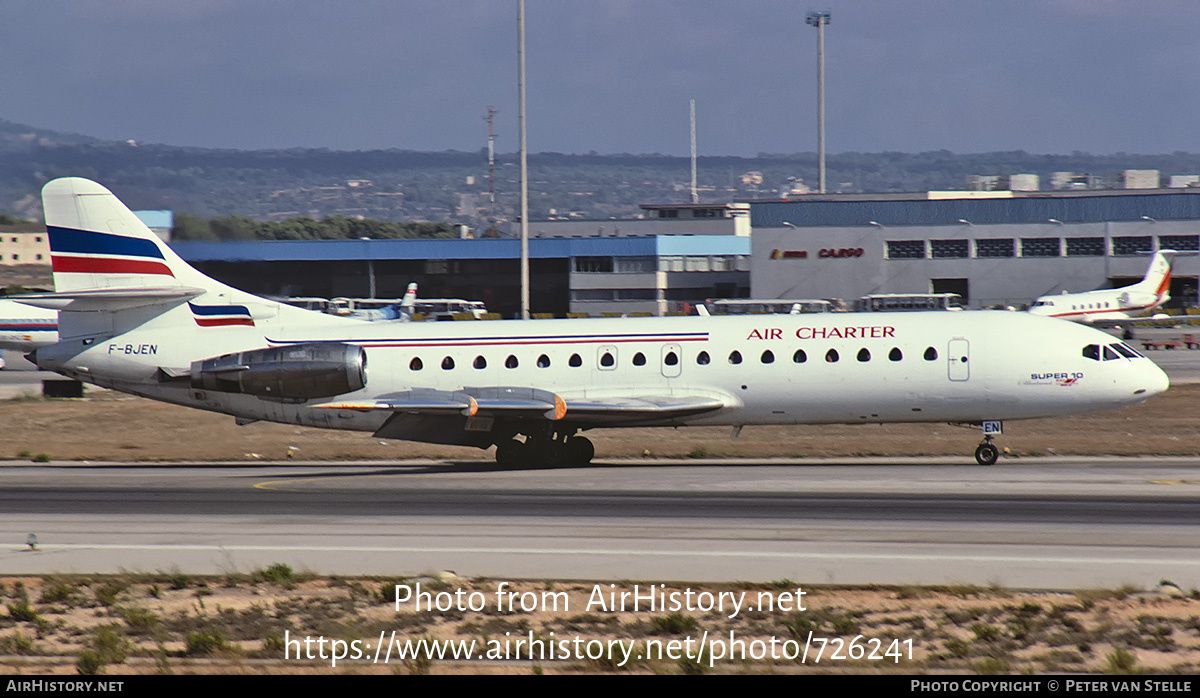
{"x": 819, "y": 20}
{"x": 524, "y": 161}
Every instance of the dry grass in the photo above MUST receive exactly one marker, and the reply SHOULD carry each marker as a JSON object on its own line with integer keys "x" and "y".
{"x": 173, "y": 623}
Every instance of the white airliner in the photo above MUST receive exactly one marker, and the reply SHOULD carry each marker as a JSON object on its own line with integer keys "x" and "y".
{"x": 24, "y": 328}
{"x": 137, "y": 318}
{"x": 1110, "y": 306}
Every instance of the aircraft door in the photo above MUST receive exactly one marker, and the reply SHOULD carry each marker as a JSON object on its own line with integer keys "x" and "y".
{"x": 672, "y": 360}
{"x": 958, "y": 355}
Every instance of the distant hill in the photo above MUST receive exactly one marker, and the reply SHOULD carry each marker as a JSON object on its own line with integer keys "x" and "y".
{"x": 402, "y": 185}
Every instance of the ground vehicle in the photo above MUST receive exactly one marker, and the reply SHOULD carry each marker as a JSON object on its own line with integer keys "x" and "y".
{"x": 908, "y": 302}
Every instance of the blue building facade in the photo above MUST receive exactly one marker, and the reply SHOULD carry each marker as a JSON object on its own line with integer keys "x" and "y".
{"x": 655, "y": 274}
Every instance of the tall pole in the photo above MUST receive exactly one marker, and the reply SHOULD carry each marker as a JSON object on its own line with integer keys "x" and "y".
{"x": 819, "y": 20}
{"x": 524, "y": 162}
{"x": 491, "y": 122}
{"x": 695, "y": 194}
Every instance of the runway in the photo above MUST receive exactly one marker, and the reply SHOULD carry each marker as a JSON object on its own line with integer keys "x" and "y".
{"x": 1056, "y": 523}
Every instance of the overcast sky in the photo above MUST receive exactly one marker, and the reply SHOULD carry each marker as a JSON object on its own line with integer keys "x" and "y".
{"x": 1045, "y": 76}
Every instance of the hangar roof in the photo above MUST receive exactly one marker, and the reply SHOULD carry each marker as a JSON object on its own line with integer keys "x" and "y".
{"x": 1032, "y": 208}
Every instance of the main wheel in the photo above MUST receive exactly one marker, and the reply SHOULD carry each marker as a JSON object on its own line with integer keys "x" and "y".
{"x": 552, "y": 454}
{"x": 580, "y": 450}
{"x": 986, "y": 454}
{"x": 511, "y": 454}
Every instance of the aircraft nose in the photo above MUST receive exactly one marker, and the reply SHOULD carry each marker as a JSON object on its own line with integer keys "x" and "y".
{"x": 1152, "y": 380}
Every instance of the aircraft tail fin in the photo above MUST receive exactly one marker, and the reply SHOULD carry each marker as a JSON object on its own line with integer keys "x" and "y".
{"x": 408, "y": 303}
{"x": 97, "y": 243}
{"x": 1158, "y": 275}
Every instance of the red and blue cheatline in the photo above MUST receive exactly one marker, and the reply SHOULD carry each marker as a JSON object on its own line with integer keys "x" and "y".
{"x": 84, "y": 251}
{"x": 221, "y": 315}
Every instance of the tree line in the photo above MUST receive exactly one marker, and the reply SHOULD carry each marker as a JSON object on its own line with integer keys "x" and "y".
{"x": 240, "y": 228}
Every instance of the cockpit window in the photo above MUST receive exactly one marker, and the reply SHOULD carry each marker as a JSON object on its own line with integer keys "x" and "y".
{"x": 1092, "y": 351}
{"x": 1135, "y": 351}
{"x": 1109, "y": 354}
{"x": 1124, "y": 351}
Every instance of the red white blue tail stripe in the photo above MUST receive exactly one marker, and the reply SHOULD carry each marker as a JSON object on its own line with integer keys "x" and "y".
{"x": 221, "y": 315}
{"x": 87, "y": 252}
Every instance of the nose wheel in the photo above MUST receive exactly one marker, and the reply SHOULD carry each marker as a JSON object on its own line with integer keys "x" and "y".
{"x": 987, "y": 453}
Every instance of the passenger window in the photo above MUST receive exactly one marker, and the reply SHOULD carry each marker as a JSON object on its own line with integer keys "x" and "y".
{"x": 639, "y": 359}
{"x": 1092, "y": 351}
{"x": 768, "y": 357}
{"x": 670, "y": 359}
{"x": 575, "y": 361}
{"x": 511, "y": 362}
{"x": 831, "y": 356}
{"x": 702, "y": 358}
{"x": 864, "y": 355}
{"x": 799, "y": 357}
{"x": 931, "y": 354}
{"x": 543, "y": 361}
{"x": 480, "y": 362}
{"x": 895, "y": 354}
{"x": 607, "y": 360}
{"x": 1109, "y": 354}
{"x": 415, "y": 364}
{"x": 448, "y": 363}
{"x": 735, "y": 357}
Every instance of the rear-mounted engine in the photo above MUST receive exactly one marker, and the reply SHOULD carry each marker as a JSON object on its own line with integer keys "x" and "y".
{"x": 297, "y": 372}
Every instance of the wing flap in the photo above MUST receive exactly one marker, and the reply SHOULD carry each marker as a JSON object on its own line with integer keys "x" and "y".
{"x": 650, "y": 408}
{"x": 419, "y": 401}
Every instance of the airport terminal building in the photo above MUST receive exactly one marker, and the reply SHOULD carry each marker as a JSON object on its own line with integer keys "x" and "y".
{"x": 992, "y": 248}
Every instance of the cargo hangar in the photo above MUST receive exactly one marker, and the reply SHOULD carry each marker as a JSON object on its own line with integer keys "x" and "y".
{"x": 992, "y": 248}
{"x": 999, "y": 248}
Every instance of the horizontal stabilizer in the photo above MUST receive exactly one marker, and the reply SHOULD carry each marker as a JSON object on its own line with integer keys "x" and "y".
{"x": 109, "y": 298}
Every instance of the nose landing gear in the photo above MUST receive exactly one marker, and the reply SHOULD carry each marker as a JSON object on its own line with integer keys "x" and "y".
{"x": 987, "y": 453}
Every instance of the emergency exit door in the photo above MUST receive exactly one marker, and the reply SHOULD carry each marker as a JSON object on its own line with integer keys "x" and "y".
{"x": 958, "y": 356}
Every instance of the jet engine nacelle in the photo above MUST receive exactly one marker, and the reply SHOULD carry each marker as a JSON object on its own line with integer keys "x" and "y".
{"x": 297, "y": 372}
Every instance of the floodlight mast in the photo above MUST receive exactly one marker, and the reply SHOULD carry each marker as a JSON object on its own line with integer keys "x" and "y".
{"x": 524, "y": 162}
{"x": 819, "y": 20}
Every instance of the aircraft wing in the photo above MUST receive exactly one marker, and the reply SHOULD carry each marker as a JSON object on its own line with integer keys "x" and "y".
{"x": 1160, "y": 317}
{"x": 531, "y": 403}
{"x": 467, "y": 417}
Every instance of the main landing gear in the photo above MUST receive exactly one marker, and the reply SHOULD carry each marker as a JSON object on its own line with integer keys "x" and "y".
{"x": 987, "y": 453}
{"x": 555, "y": 451}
